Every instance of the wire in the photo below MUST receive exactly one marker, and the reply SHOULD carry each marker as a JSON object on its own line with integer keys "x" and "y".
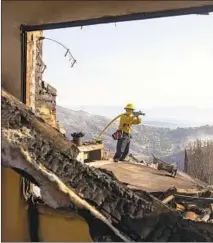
{"x": 71, "y": 58}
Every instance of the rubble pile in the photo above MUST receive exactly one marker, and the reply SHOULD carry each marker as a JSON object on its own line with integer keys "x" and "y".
{"x": 135, "y": 216}
{"x": 196, "y": 205}
{"x": 191, "y": 204}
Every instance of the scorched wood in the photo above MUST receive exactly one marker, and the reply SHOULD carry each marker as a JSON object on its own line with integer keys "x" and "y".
{"x": 135, "y": 216}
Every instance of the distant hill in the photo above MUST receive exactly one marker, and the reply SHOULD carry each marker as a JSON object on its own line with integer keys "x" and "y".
{"x": 168, "y": 116}
{"x": 161, "y": 124}
{"x": 147, "y": 139}
{"x": 111, "y": 112}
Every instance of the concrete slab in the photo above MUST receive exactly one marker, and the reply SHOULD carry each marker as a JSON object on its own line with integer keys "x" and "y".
{"x": 142, "y": 177}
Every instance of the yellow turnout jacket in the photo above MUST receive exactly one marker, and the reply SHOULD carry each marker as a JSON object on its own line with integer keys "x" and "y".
{"x": 126, "y": 122}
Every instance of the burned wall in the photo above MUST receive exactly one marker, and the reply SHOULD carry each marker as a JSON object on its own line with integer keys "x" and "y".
{"x": 40, "y": 96}
{"x": 46, "y": 102}
{"x": 34, "y": 66}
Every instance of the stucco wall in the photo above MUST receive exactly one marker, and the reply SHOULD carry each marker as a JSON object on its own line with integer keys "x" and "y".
{"x": 53, "y": 224}
{"x": 67, "y": 227}
{"x": 15, "y": 13}
{"x": 14, "y": 221}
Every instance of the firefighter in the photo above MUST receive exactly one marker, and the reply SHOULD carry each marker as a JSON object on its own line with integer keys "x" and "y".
{"x": 124, "y": 132}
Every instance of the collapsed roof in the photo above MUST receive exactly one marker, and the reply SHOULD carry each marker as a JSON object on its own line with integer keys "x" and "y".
{"x": 113, "y": 211}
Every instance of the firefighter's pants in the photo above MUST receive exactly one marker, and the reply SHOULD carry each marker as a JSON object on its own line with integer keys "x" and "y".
{"x": 122, "y": 149}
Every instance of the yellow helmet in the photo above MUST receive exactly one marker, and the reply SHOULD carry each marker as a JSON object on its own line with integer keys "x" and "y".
{"x": 129, "y": 106}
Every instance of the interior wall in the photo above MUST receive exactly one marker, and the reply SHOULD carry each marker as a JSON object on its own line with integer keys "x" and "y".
{"x": 16, "y": 13}
{"x": 54, "y": 226}
{"x": 14, "y": 221}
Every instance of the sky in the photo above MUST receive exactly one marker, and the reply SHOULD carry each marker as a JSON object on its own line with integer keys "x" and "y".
{"x": 164, "y": 62}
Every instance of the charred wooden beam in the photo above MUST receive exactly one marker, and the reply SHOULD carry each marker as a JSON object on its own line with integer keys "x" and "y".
{"x": 55, "y": 193}
{"x": 194, "y": 199}
{"x": 195, "y": 192}
{"x": 168, "y": 199}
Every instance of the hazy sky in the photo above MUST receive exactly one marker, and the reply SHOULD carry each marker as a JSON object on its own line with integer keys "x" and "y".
{"x": 165, "y": 61}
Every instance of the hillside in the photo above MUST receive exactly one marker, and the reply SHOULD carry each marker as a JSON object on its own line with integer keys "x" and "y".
{"x": 146, "y": 139}
{"x": 160, "y": 116}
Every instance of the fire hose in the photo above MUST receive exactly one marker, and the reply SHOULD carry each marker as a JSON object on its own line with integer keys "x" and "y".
{"x": 113, "y": 120}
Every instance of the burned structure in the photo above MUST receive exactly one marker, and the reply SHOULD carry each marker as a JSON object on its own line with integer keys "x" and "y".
{"x": 74, "y": 199}
{"x": 41, "y": 96}
{"x": 41, "y": 154}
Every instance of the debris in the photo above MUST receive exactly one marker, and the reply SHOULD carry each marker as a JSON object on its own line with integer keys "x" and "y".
{"x": 168, "y": 199}
{"x": 194, "y": 208}
{"x": 197, "y": 208}
{"x": 161, "y": 165}
{"x": 193, "y": 199}
{"x": 211, "y": 206}
{"x": 206, "y": 216}
{"x": 154, "y": 166}
{"x": 132, "y": 157}
{"x": 191, "y": 215}
{"x": 179, "y": 207}
{"x": 131, "y": 216}
{"x": 194, "y": 192}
